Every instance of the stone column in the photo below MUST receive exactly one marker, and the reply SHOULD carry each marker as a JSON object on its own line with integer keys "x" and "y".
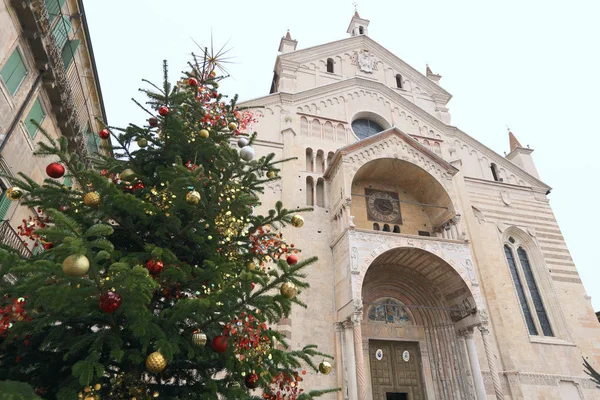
{"x": 350, "y": 362}
{"x": 366, "y": 353}
{"x": 361, "y": 379}
{"x": 339, "y": 359}
{"x": 475, "y": 367}
{"x": 313, "y": 162}
{"x": 314, "y": 191}
{"x": 491, "y": 359}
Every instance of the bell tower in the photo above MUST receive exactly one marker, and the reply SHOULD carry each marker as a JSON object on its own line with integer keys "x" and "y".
{"x": 358, "y": 25}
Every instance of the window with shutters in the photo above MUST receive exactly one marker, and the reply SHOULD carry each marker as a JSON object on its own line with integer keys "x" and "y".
{"x": 528, "y": 293}
{"x": 92, "y": 140}
{"x": 54, "y": 8}
{"x": 68, "y": 52}
{"x": 37, "y": 114}
{"x": 4, "y": 201}
{"x": 14, "y": 72}
{"x": 61, "y": 31}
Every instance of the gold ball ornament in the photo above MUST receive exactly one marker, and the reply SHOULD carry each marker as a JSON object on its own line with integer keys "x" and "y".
{"x": 14, "y": 193}
{"x": 251, "y": 266}
{"x": 193, "y": 197}
{"x": 297, "y": 221}
{"x": 76, "y": 265}
{"x": 271, "y": 174}
{"x": 204, "y": 133}
{"x": 127, "y": 175}
{"x": 199, "y": 339}
{"x": 289, "y": 290}
{"x": 92, "y": 199}
{"x": 142, "y": 142}
{"x": 156, "y": 362}
{"x": 325, "y": 367}
{"x": 232, "y": 126}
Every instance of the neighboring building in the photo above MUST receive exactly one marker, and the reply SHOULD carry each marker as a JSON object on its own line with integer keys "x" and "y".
{"x": 442, "y": 271}
{"x": 48, "y": 74}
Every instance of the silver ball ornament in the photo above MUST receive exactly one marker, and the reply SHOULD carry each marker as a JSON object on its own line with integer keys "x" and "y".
{"x": 243, "y": 142}
{"x": 247, "y": 153}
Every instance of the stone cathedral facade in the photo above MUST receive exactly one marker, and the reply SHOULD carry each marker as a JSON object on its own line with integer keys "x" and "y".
{"x": 442, "y": 272}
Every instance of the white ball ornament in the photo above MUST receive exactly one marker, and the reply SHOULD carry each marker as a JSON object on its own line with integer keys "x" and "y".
{"x": 243, "y": 142}
{"x": 247, "y": 153}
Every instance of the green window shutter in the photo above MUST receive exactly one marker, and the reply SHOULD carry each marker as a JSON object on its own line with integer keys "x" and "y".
{"x": 92, "y": 140}
{"x": 37, "y": 114}
{"x": 68, "y": 52}
{"x": 54, "y": 7}
{"x": 13, "y": 72}
{"x": 4, "y": 205}
{"x": 61, "y": 31}
{"x": 67, "y": 181}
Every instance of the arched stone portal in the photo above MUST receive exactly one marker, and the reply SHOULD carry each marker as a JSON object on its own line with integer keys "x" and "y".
{"x": 431, "y": 297}
{"x": 415, "y": 296}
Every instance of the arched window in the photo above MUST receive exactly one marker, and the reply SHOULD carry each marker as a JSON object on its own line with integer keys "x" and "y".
{"x": 340, "y": 133}
{"x": 396, "y": 229}
{"x": 495, "y": 173}
{"x": 309, "y": 157}
{"x": 375, "y": 226}
{"x": 386, "y": 228}
{"x": 363, "y": 128}
{"x": 309, "y": 191}
{"x": 527, "y": 291}
{"x": 316, "y": 128}
{"x": 328, "y": 131}
{"x": 319, "y": 162}
{"x": 330, "y": 65}
{"x": 329, "y": 158}
{"x": 304, "y": 126}
{"x": 399, "y": 81}
{"x": 320, "y": 192}
{"x": 361, "y": 30}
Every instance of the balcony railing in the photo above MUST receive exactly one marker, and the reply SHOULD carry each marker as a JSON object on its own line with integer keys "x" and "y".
{"x": 9, "y": 237}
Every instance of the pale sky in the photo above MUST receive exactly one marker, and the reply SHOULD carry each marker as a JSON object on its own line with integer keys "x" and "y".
{"x": 532, "y": 65}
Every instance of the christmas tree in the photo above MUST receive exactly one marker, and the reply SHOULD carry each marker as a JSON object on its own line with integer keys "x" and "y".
{"x": 157, "y": 278}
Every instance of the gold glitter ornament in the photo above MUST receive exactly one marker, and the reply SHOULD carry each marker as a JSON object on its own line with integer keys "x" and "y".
{"x": 127, "y": 175}
{"x": 271, "y": 174}
{"x": 142, "y": 142}
{"x": 232, "y": 126}
{"x": 192, "y": 197}
{"x": 14, "y": 193}
{"x": 325, "y": 367}
{"x": 297, "y": 221}
{"x": 288, "y": 290}
{"x": 156, "y": 362}
{"x": 76, "y": 265}
{"x": 92, "y": 199}
{"x": 199, "y": 339}
{"x": 251, "y": 266}
{"x": 204, "y": 134}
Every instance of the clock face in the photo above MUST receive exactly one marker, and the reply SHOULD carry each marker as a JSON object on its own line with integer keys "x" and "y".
{"x": 383, "y": 206}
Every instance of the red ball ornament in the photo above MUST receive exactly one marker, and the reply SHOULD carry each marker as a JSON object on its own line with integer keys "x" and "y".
{"x": 152, "y": 121}
{"x": 251, "y": 381}
{"x": 154, "y": 266}
{"x": 110, "y": 302}
{"x": 164, "y": 111}
{"x": 292, "y": 259}
{"x": 55, "y": 170}
{"x": 193, "y": 82}
{"x": 219, "y": 344}
{"x": 104, "y": 134}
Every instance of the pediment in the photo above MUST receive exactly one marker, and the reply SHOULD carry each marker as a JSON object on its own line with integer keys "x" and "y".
{"x": 357, "y": 44}
{"x": 392, "y": 143}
